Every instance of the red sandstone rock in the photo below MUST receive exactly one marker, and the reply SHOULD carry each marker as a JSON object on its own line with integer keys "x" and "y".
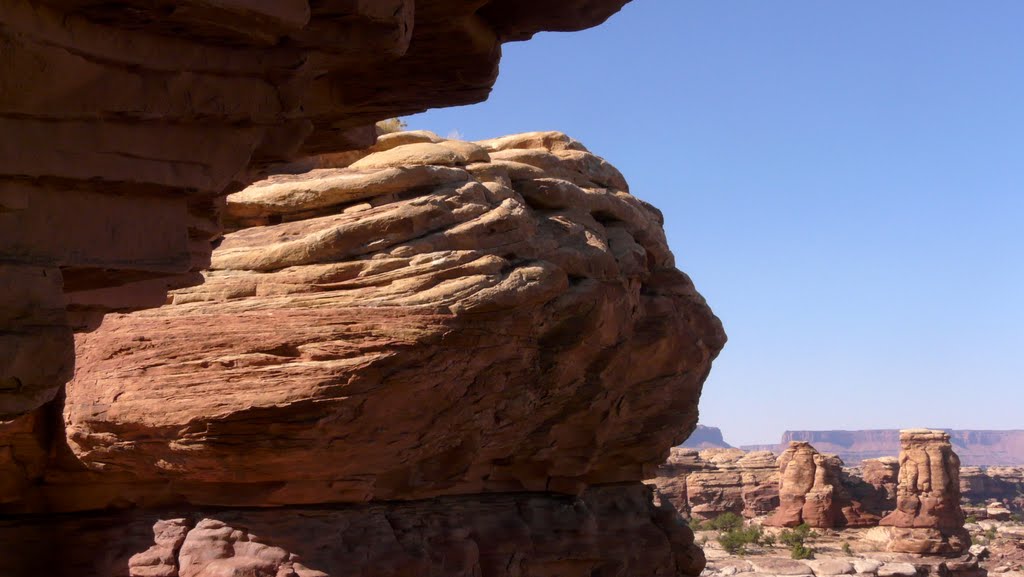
{"x": 928, "y": 518}
{"x": 708, "y": 483}
{"x": 811, "y": 491}
{"x": 874, "y": 484}
{"x": 611, "y": 530}
{"x": 126, "y": 123}
{"x": 493, "y": 333}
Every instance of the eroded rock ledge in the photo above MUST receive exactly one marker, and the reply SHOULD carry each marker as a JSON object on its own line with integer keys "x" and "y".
{"x": 488, "y": 342}
{"x": 126, "y": 123}
{"x": 607, "y": 531}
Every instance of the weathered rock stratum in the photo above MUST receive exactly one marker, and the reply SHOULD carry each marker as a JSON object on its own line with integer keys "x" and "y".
{"x": 499, "y": 324}
{"x": 706, "y": 484}
{"x": 975, "y": 447}
{"x": 126, "y": 123}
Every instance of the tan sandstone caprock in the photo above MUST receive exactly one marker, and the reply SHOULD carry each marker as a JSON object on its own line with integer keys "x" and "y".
{"x": 928, "y": 518}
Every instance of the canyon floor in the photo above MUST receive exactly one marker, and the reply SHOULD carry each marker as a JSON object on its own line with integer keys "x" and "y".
{"x": 998, "y": 550}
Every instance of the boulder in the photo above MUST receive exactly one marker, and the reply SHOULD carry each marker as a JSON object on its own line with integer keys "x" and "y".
{"x": 897, "y": 570}
{"x": 823, "y": 567}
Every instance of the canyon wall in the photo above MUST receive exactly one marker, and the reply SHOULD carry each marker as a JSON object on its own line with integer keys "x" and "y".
{"x": 976, "y": 448}
{"x": 453, "y": 357}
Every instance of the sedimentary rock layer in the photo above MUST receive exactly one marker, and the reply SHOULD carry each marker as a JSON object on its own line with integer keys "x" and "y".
{"x": 126, "y": 123}
{"x": 706, "y": 484}
{"x": 975, "y": 447}
{"x": 607, "y": 531}
{"x": 982, "y": 485}
{"x": 434, "y": 318}
{"x": 499, "y": 323}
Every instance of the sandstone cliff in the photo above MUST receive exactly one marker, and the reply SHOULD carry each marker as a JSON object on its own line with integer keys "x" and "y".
{"x": 981, "y": 448}
{"x": 424, "y": 318}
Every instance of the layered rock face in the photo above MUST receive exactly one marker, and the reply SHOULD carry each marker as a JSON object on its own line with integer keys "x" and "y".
{"x": 706, "y": 484}
{"x": 425, "y": 318}
{"x": 1005, "y": 484}
{"x": 606, "y": 531}
{"x": 811, "y": 491}
{"x": 975, "y": 447}
{"x": 928, "y": 518}
{"x": 126, "y": 123}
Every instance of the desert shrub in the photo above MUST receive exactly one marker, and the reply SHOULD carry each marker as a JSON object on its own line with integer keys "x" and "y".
{"x": 801, "y": 552}
{"x": 698, "y": 525}
{"x": 971, "y": 519}
{"x": 991, "y": 534}
{"x": 847, "y": 550}
{"x": 726, "y": 522}
{"x": 796, "y": 539}
{"x": 768, "y": 540}
{"x": 735, "y": 541}
{"x": 797, "y": 535}
{"x": 1016, "y": 518}
{"x": 390, "y": 125}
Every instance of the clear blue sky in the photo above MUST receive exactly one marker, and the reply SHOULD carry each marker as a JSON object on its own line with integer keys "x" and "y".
{"x": 844, "y": 181}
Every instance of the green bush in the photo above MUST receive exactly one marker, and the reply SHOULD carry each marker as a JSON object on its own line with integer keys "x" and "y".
{"x": 991, "y": 534}
{"x": 971, "y": 519}
{"x": 768, "y": 540}
{"x": 735, "y": 541}
{"x": 847, "y": 550}
{"x": 797, "y": 535}
{"x": 796, "y": 539}
{"x": 801, "y": 552}
{"x": 726, "y": 522}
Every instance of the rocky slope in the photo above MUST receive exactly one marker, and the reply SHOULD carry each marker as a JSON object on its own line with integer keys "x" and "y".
{"x": 424, "y": 318}
{"x": 126, "y": 123}
{"x": 977, "y": 448}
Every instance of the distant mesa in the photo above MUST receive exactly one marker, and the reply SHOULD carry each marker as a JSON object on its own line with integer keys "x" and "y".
{"x": 975, "y": 447}
{"x": 705, "y": 437}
